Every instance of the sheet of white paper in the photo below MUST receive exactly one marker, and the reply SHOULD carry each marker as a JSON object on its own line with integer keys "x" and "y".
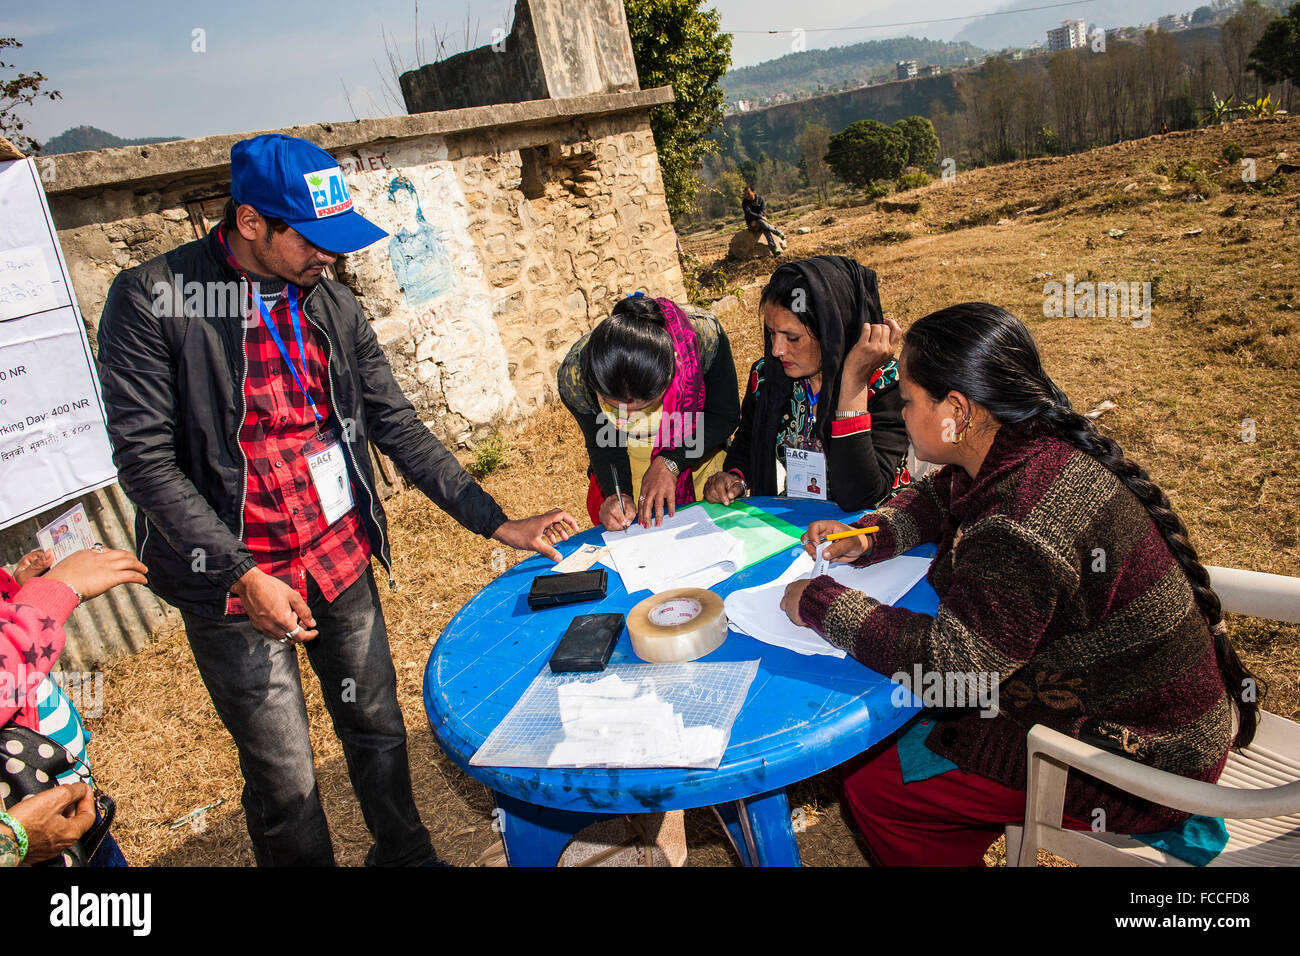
{"x": 757, "y": 611}
{"x": 687, "y": 549}
{"x": 53, "y": 441}
{"x": 25, "y": 284}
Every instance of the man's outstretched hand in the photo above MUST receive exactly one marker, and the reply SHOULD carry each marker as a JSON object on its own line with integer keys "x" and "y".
{"x": 539, "y": 532}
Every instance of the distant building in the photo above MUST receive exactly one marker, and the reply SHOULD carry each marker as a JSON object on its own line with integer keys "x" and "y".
{"x": 1011, "y": 54}
{"x": 742, "y": 106}
{"x": 881, "y": 78}
{"x": 906, "y": 69}
{"x": 930, "y": 70}
{"x": 1070, "y": 35}
{"x": 1173, "y": 21}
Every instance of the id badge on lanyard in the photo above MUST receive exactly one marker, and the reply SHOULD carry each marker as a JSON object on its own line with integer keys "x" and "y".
{"x": 329, "y": 473}
{"x": 805, "y": 473}
{"x": 329, "y": 466}
{"x": 805, "y": 467}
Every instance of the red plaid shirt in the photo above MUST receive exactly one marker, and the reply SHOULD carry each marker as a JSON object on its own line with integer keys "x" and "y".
{"x": 284, "y": 526}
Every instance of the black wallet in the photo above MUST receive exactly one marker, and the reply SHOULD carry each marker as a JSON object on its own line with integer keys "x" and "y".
{"x": 587, "y": 644}
{"x": 548, "y": 590}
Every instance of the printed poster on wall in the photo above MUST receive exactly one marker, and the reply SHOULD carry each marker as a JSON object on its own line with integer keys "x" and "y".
{"x": 53, "y": 440}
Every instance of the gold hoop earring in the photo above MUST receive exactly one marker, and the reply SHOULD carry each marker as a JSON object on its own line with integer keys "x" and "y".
{"x": 964, "y": 429}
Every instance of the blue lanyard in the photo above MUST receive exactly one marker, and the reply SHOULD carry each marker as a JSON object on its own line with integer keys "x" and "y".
{"x": 292, "y": 295}
{"x": 812, "y": 396}
{"x": 812, "y": 407}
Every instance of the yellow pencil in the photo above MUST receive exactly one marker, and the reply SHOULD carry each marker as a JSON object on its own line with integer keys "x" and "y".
{"x": 850, "y": 534}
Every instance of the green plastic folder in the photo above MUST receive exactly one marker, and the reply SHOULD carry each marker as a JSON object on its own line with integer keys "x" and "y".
{"x": 762, "y": 534}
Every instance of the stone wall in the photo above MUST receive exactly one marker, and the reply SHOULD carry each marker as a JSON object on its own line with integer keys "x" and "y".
{"x": 513, "y": 230}
{"x": 566, "y": 229}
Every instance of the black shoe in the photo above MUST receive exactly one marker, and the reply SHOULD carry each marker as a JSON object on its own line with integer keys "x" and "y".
{"x": 435, "y": 860}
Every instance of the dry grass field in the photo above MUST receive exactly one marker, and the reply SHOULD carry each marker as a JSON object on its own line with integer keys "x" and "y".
{"x": 1222, "y": 347}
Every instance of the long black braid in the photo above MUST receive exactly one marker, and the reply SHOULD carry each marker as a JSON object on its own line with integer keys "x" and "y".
{"x": 986, "y": 353}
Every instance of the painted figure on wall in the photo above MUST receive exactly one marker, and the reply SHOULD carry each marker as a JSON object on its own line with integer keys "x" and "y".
{"x": 419, "y": 257}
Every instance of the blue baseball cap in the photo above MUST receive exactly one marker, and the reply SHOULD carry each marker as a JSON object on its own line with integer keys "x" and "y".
{"x": 295, "y": 180}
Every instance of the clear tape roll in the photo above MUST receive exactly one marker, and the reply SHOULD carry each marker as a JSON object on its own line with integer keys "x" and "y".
{"x": 679, "y": 625}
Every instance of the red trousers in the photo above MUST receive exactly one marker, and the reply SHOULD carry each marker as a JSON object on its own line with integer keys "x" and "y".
{"x": 594, "y": 500}
{"x": 948, "y": 820}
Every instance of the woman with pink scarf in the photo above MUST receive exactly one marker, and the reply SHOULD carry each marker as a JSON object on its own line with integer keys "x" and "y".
{"x": 654, "y": 391}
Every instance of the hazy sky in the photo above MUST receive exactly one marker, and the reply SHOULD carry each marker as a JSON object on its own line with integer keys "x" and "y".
{"x": 131, "y": 68}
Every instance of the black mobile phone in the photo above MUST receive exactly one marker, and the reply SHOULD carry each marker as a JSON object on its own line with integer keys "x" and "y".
{"x": 548, "y": 590}
{"x": 587, "y": 644}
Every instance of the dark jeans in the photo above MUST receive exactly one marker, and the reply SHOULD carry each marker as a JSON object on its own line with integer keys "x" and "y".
{"x": 108, "y": 854}
{"x": 257, "y": 690}
{"x": 758, "y": 226}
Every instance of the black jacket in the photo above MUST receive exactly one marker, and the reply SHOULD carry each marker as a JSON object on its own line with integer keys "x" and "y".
{"x": 173, "y": 385}
{"x": 860, "y": 468}
{"x": 754, "y": 209}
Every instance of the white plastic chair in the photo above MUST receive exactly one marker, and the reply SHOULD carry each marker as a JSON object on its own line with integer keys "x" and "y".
{"x": 1258, "y": 793}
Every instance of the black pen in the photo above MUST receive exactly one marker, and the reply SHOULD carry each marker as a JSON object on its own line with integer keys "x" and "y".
{"x": 614, "y": 471}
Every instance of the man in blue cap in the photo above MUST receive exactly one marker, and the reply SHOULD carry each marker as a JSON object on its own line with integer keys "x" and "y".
{"x": 241, "y": 419}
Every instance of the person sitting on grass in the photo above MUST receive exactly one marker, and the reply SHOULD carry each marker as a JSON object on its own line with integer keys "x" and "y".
{"x": 654, "y": 391}
{"x": 1064, "y": 576}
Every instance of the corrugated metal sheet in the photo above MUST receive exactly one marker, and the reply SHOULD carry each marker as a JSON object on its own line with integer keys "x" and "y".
{"x": 112, "y": 625}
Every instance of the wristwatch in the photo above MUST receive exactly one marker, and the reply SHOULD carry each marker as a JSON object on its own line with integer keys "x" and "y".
{"x": 853, "y": 414}
{"x": 671, "y": 466}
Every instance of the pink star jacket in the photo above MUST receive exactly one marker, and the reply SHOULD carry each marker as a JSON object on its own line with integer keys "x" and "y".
{"x": 31, "y": 639}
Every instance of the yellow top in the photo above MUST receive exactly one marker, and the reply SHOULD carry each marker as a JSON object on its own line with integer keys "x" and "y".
{"x": 639, "y": 429}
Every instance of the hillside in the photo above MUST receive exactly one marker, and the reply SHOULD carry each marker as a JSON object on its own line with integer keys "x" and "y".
{"x": 1224, "y": 339}
{"x": 81, "y": 138}
{"x": 1223, "y": 346}
{"x": 817, "y": 71}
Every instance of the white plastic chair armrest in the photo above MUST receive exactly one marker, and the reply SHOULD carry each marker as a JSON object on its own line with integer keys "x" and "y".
{"x": 1162, "y": 787}
{"x": 1272, "y": 596}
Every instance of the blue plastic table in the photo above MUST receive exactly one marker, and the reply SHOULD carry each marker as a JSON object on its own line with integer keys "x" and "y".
{"x": 803, "y": 714}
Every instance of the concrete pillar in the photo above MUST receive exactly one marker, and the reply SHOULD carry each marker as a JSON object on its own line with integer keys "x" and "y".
{"x": 555, "y": 49}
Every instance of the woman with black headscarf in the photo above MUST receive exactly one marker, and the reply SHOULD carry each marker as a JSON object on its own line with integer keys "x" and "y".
{"x": 821, "y": 417}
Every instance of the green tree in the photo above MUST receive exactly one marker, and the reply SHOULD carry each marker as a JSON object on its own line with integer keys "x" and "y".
{"x": 1202, "y": 15}
{"x": 22, "y": 90}
{"x": 922, "y": 141}
{"x": 677, "y": 44}
{"x": 1276, "y": 57}
{"x": 865, "y": 151}
{"x": 814, "y": 143}
{"x": 1237, "y": 40}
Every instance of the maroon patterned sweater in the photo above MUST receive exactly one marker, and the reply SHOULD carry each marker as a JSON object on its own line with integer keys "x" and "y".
{"x": 1051, "y": 574}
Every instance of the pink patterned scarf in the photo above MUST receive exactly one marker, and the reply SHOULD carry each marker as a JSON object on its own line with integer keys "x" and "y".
{"x": 683, "y": 403}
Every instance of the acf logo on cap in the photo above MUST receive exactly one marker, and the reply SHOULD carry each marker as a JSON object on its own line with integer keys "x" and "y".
{"x": 329, "y": 193}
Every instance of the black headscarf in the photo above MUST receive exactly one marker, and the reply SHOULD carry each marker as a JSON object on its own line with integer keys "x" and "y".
{"x": 839, "y": 296}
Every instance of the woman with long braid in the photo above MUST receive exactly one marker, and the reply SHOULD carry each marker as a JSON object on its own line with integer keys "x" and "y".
{"x": 1064, "y": 577}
